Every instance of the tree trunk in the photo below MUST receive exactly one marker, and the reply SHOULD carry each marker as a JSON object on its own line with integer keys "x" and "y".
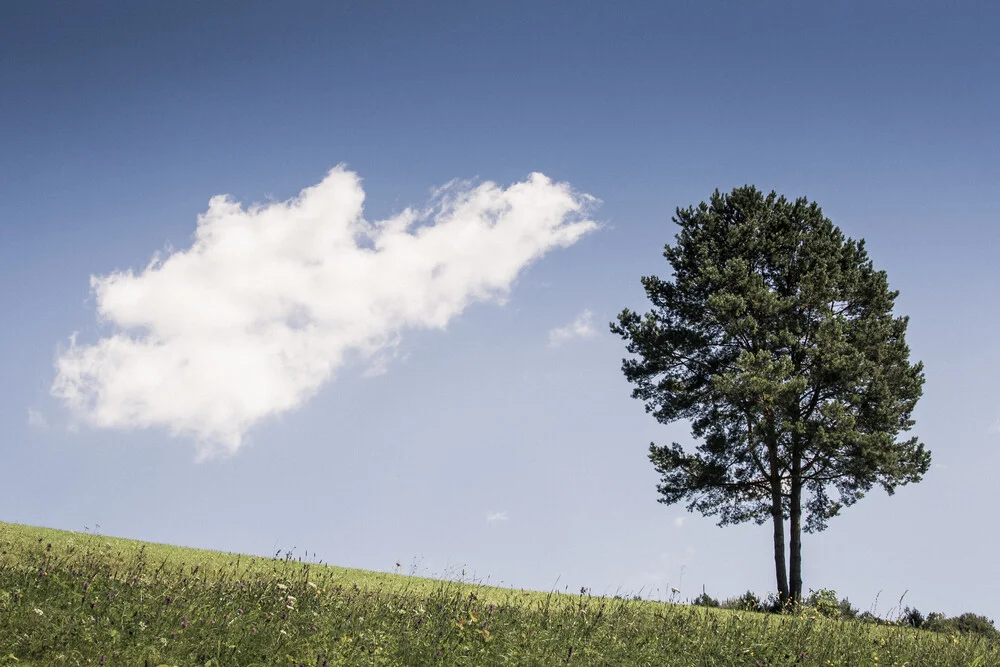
{"x": 779, "y": 547}
{"x": 795, "y": 528}
{"x": 777, "y": 515}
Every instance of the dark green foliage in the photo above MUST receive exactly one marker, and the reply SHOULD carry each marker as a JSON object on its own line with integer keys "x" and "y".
{"x": 749, "y": 601}
{"x": 976, "y": 624}
{"x": 937, "y": 622}
{"x": 912, "y": 617}
{"x": 775, "y": 338}
{"x": 705, "y": 600}
{"x": 825, "y": 602}
{"x": 967, "y": 623}
{"x": 847, "y": 610}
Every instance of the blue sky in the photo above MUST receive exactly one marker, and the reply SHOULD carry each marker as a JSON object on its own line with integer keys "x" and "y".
{"x": 495, "y": 444}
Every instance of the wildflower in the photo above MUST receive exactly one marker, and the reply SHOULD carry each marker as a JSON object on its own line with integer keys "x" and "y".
{"x": 39, "y": 611}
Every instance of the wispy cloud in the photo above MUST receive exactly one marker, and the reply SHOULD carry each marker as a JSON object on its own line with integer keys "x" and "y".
{"x": 270, "y": 300}
{"x": 36, "y": 419}
{"x": 679, "y": 521}
{"x": 581, "y": 327}
{"x": 497, "y": 516}
{"x": 995, "y": 426}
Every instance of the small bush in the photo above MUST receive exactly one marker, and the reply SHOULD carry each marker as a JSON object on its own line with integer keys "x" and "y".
{"x": 749, "y": 601}
{"x": 847, "y": 610}
{"x": 913, "y": 618}
{"x": 977, "y": 625}
{"x": 966, "y": 624}
{"x": 937, "y": 622}
{"x": 705, "y": 600}
{"x": 825, "y": 602}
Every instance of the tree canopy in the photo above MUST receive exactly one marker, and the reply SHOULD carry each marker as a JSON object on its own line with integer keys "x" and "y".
{"x": 775, "y": 337}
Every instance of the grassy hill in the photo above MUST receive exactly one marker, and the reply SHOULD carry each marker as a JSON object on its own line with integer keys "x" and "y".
{"x": 82, "y": 599}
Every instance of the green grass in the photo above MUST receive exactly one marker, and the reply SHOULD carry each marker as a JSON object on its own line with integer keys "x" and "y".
{"x": 81, "y": 599}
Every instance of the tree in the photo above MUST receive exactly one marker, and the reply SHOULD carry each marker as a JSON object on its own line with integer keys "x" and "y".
{"x": 776, "y": 339}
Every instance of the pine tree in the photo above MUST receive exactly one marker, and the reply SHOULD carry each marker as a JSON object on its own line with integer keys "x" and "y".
{"x": 776, "y": 339}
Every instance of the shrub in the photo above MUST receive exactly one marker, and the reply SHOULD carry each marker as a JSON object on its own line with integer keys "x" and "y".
{"x": 976, "y": 624}
{"x": 847, "y": 610}
{"x": 825, "y": 602}
{"x": 913, "y": 617}
{"x": 749, "y": 601}
{"x": 966, "y": 624}
{"x": 705, "y": 600}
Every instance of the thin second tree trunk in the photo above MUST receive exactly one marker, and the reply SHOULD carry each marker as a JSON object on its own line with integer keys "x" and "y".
{"x": 778, "y": 519}
{"x": 795, "y": 528}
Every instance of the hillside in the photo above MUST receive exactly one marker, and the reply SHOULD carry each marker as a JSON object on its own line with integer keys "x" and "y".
{"x": 81, "y": 599}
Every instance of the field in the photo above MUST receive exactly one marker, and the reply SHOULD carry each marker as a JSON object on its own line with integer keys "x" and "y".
{"x": 83, "y": 599}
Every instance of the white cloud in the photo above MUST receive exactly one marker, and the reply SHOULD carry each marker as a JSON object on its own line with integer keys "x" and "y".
{"x": 36, "y": 419}
{"x": 269, "y": 300}
{"x": 995, "y": 426}
{"x": 679, "y": 521}
{"x": 581, "y": 327}
{"x": 497, "y": 516}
